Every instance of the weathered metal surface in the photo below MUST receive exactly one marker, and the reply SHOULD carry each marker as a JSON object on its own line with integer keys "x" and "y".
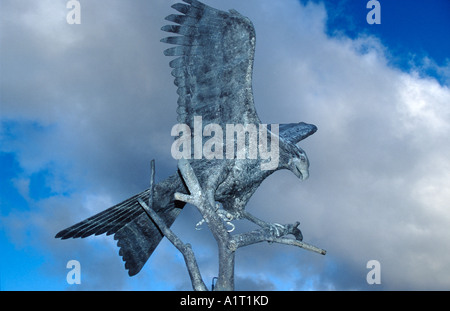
{"x": 213, "y": 73}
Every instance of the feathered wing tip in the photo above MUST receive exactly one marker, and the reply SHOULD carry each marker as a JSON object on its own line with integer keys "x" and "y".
{"x": 108, "y": 221}
{"x": 137, "y": 241}
{"x": 139, "y": 238}
{"x": 214, "y": 53}
{"x": 136, "y": 234}
{"x": 296, "y": 132}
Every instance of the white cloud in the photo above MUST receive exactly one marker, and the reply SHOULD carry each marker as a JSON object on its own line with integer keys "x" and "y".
{"x": 424, "y": 105}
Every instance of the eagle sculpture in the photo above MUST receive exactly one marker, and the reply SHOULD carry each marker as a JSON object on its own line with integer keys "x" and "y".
{"x": 213, "y": 67}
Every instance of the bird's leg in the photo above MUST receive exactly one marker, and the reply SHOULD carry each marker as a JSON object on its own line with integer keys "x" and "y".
{"x": 224, "y": 215}
{"x": 212, "y": 183}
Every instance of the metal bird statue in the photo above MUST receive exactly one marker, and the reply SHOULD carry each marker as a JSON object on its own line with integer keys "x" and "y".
{"x": 213, "y": 73}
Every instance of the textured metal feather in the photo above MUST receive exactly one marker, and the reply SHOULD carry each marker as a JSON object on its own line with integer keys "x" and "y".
{"x": 177, "y": 62}
{"x": 94, "y": 224}
{"x": 182, "y": 30}
{"x": 137, "y": 237}
{"x": 181, "y": 50}
{"x": 216, "y": 64}
{"x": 296, "y": 132}
{"x": 183, "y": 92}
{"x": 180, "y": 40}
{"x": 180, "y": 7}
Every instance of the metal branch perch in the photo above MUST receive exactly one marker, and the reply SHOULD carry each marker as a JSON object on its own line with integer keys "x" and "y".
{"x": 227, "y": 243}
{"x": 185, "y": 249}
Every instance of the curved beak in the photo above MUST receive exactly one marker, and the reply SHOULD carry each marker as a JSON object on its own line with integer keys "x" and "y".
{"x": 301, "y": 169}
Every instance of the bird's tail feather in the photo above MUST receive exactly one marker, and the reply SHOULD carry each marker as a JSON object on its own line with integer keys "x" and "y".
{"x": 136, "y": 234}
{"x": 139, "y": 238}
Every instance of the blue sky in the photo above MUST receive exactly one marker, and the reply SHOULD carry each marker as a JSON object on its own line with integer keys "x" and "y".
{"x": 410, "y": 31}
{"x": 84, "y": 108}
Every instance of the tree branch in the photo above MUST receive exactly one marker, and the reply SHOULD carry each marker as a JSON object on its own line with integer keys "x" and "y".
{"x": 266, "y": 235}
{"x": 205, "y": 204}
{"x": 185, "y": 249}
{"x": 202, "y": 200}
{"x": 227, "y": 244}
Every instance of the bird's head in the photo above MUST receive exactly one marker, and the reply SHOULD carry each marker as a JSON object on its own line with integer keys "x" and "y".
{"x": 297, "y": 162}
{"x": 293, "y": 157}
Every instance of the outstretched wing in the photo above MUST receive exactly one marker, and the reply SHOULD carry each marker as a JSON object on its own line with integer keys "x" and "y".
{"x": 214, "y": 67}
